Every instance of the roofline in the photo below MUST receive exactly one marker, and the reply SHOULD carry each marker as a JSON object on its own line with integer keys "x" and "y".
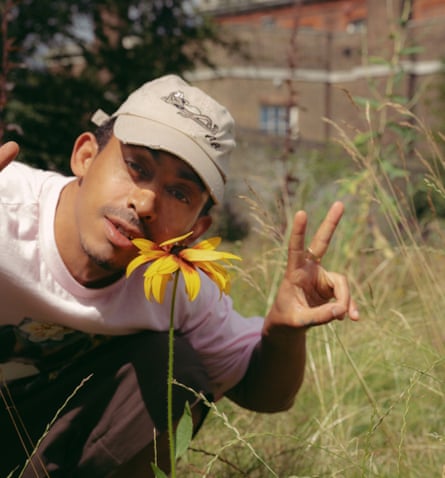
{"x": 247, "y": 6}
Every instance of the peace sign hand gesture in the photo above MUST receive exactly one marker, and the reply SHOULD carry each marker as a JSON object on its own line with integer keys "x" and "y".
{"x": 309, "y": 295}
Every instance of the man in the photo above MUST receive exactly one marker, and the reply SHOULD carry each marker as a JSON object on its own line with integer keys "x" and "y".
{"x": 81, "y": 347}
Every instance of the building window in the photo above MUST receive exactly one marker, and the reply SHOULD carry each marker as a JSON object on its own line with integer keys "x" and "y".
{"x": 355, "y": 26}
{"x": 268, "y": 21}
{"x": 274, "y": 119}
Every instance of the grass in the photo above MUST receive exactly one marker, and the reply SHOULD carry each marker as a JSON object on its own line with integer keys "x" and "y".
{"x": 373, "y": 400}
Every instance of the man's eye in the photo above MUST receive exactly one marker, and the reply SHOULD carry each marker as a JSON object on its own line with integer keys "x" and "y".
{"x": 179, "y": 195}
{"x": 135, "y": 167}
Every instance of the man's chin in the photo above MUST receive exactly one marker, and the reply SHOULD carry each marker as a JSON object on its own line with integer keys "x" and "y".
{"x": 112, "y": 262}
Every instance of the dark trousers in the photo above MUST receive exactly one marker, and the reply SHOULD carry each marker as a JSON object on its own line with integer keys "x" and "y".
{"x": 112, "y": 415}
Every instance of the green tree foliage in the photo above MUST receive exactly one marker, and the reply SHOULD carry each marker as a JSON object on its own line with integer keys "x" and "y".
{"x": 62, "y": 60}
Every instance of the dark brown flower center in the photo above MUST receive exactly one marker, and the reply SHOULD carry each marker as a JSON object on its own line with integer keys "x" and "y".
{"x": 177, "y": 248}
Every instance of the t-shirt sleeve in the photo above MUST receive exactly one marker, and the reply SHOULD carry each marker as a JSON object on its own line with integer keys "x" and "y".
{"x": 223, "y": 338}
{"x": 21, "y": 184}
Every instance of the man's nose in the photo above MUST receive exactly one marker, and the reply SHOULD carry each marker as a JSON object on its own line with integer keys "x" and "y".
{"x": 143, "y": 201}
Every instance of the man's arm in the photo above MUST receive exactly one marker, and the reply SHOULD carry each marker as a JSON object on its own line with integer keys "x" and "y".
{"x": 308, "y": 296}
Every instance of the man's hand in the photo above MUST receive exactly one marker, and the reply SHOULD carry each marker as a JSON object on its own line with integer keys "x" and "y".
{"x": 8, "y": 152}
{"x": 310, "y": 295}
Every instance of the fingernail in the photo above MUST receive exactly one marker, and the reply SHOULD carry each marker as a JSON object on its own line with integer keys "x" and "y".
{"x": 355, "y": 314}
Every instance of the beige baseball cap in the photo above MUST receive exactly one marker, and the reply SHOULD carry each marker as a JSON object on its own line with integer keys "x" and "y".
{"x": 169, "y": 114}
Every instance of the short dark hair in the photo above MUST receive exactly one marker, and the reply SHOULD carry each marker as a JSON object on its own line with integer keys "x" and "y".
{"x": 103, "y": 134}
{"x": 207, "y": 206}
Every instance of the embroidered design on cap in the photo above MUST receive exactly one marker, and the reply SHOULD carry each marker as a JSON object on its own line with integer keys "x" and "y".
{"x": 177, "y": 99}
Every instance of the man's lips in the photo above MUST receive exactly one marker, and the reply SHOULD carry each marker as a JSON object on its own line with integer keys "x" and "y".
{"x": 120, "y": 233}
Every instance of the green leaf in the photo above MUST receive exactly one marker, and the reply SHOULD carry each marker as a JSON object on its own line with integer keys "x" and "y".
{"x": 361, "y": 101}
{"x": 401, "y": 100}
{"x": 184, "y": 432}
{"x": 363, "y": 138}
{"x": 411, "y": 50}
{"x": 392, "y": 171}
{"x": 158, "y": 472}
{"x": 378, "y": 60}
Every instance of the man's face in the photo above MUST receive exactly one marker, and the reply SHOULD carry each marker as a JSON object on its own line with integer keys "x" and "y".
{"x": 127, "y": 192}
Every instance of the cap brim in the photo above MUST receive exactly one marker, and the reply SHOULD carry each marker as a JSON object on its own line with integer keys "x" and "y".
{"x": 152, "y": 134}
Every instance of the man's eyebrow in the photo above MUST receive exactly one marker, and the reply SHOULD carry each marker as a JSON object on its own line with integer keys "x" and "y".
{"x": 184, "y": 170}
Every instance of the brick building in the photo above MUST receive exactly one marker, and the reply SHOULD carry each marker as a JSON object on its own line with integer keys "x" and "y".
{"x": 303, "y": 55}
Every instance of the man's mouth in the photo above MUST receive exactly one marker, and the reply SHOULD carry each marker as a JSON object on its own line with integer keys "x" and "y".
{"x": 124, "y": 232}
{"x": 121, "y": 234}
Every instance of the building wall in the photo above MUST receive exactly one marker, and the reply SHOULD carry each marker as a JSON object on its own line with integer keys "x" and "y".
{"x": 317, "y": 49}
{"x": 333, "y": 15}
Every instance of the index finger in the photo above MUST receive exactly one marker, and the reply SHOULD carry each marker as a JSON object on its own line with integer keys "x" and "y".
{"x": 8, "y": 152}
{"x": 322, "y": 238}
{"x": 295, "y": 251}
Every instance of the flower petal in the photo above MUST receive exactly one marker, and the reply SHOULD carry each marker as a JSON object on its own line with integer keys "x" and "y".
{"x": 175, "y": 239}
{"x": 211, "y": 243}
{"x": 159, "y": 285}
{"x": 148, "y": 282}
{"x": 164, "y": 265}
{"x": 145, "y": 245}
{"x": 135, "y": 263}
{"x": 191, "y": 279}
{"x": 195, "y": 255}
{"x": 217, "y": 274}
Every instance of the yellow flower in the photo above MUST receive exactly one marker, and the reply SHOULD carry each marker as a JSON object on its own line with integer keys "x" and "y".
{"x": 170, "y": 256}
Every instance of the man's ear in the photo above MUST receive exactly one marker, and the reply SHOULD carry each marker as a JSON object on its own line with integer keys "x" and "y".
{"x": 84, "y": 151}
{"x": 200, "y": 227}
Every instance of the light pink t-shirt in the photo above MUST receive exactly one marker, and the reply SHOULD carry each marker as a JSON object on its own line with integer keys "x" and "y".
{"x": 43, "y": 305}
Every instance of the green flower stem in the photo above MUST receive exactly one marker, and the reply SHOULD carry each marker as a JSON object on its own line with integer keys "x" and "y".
{"x": 171, "y": 336}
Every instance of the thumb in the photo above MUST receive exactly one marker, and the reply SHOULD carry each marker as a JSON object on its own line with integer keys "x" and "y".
{"x": 8, "y": 152}
{"x": 324, "y": 314}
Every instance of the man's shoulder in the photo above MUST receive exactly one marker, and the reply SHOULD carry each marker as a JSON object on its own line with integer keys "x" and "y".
{"x": 20, "y": 180}
{"x": 25, "y": 172}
